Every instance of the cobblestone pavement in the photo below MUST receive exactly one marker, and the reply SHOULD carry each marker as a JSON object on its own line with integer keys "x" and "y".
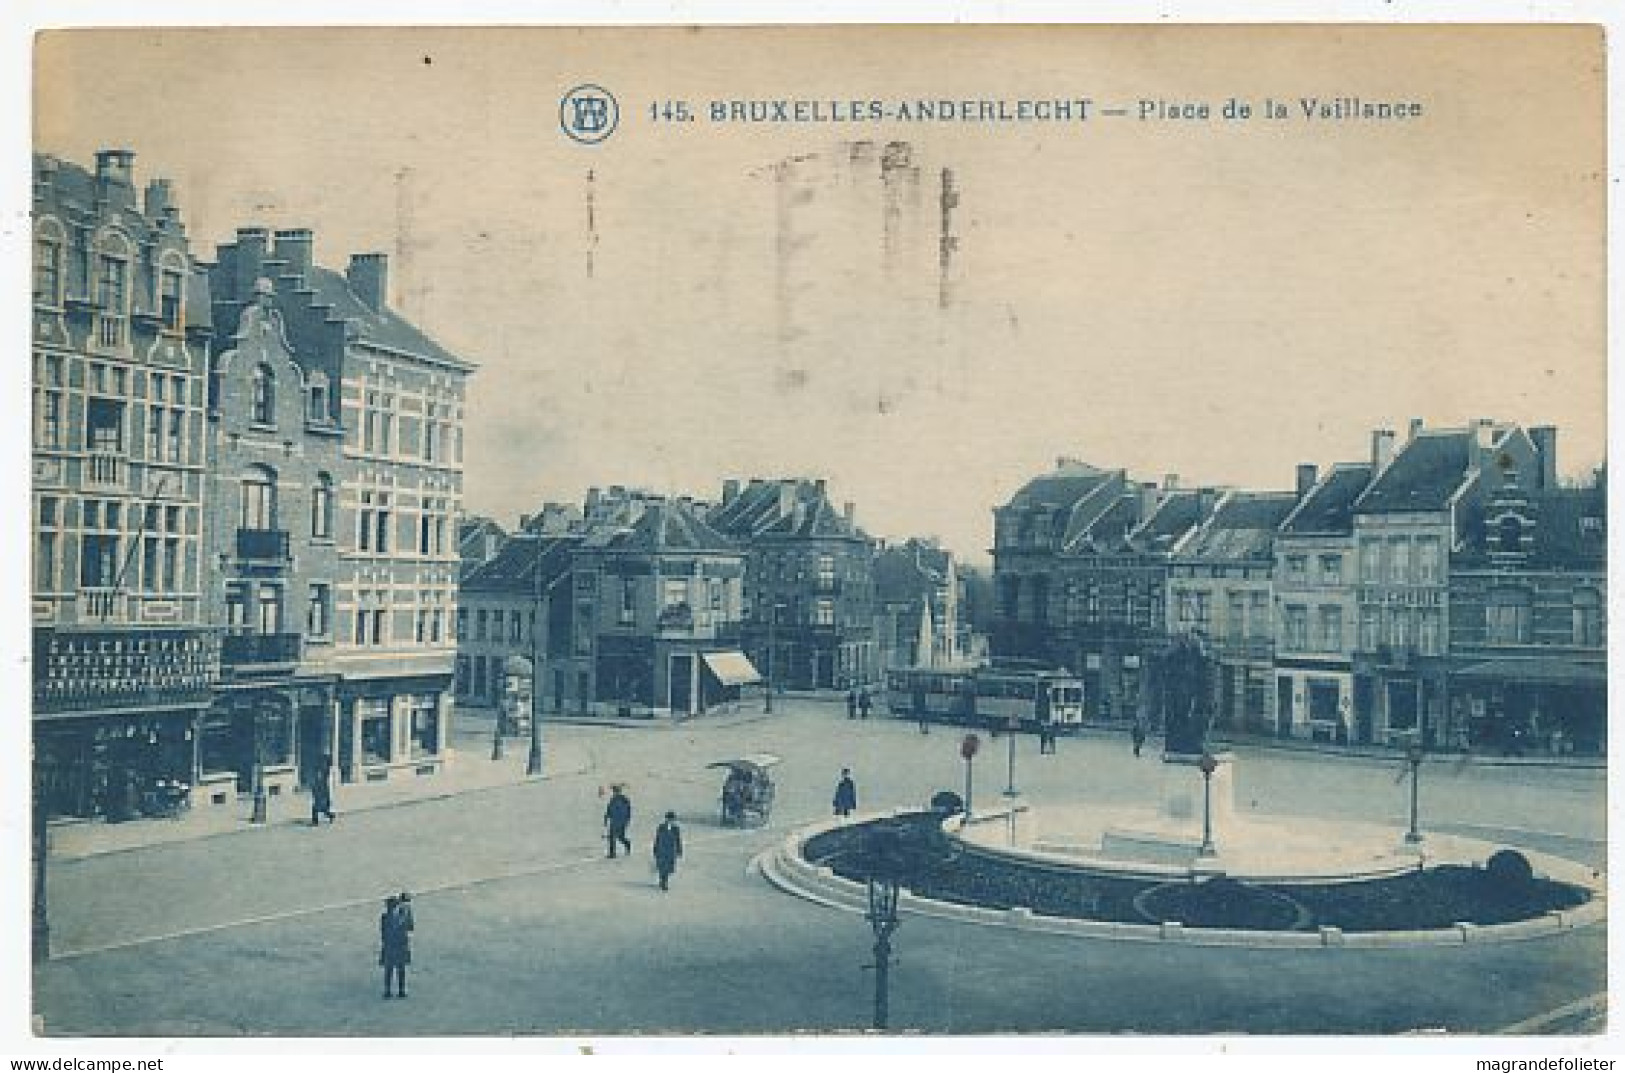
{"x": 525, "y": 928}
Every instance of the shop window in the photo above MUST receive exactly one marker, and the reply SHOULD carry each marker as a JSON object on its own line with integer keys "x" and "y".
{"x": 425, "y": 725}
{"x": 1506, "y": 617}
{"x": 375, "y": 732}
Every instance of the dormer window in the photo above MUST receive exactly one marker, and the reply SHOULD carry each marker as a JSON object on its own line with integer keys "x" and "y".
{"x": 317, "y": 408}
{"x": 264, "y": 401}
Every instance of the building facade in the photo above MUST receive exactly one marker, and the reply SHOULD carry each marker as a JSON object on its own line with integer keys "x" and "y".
{"x": 918, "y": 602}
{"x": 397, "y": 398}
{"x": 505, "y": 608}
{"x": 1316, "y": 608}
{"x": 1528, "y": 619}
{"x": 809, "y": 584}
{"x": 656, "y": 599}
{"x": 1219, "y": 587}
{"x": 271, "y": 543}
{"x": 124, "y": 661}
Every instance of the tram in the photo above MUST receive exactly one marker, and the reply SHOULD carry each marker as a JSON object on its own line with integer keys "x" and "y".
{"x": 987, "y": 696}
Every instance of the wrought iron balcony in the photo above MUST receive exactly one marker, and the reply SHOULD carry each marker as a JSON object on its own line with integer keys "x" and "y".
{"x": 263, "y": 545}
{"x": 105, "y": 469}
{"x": 260, "y": 649}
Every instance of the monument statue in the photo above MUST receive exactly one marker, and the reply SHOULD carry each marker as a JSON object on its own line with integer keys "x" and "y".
{"x": 1184, "y": 682}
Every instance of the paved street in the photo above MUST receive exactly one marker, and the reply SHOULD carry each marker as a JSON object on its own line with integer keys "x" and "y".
{"x": 523, "y": 927}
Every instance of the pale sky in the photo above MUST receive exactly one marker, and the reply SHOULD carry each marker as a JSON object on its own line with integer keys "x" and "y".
{"x": 1216, "y": 299}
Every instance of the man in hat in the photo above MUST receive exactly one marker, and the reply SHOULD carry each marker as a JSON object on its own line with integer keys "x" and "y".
{"x": 617, "y": 816}
{"x": 668, "y": 847}
{"x": 846, "y": 794}
{"x": 321, "y": 791}
{"x": 395, "y": 943}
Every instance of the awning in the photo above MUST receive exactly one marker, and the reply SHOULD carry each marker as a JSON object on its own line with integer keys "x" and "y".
{"x": 731, "y": 668}
{"x": 1554, "y": 672}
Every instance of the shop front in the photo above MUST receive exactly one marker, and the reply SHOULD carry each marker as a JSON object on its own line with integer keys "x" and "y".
{"x": 1548, "y": 706}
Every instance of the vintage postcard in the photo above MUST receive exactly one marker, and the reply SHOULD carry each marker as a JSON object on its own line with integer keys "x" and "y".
{"x": 1094, "y": 530}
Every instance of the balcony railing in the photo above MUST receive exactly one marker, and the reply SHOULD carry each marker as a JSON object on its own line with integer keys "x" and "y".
{"x": 262, "y": 545}
{"x": 102, "y": 605}
{"x": 260, "y": 649}
{"x": 104, "y": 469}
{"x": 110, "y": 330}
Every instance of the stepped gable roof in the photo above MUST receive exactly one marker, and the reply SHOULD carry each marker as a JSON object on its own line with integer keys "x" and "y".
{"x": 1425, "y": 473}
{"x": 1563, "y": 539}
{"x": 1243, "y": 526}
{"x": 1173, "y": 518}
{"x": 1329, "y": 506}
{"x": 384, "y": 326}
{"x": 526, "y": 563}
{"x": 1063, "y": 486}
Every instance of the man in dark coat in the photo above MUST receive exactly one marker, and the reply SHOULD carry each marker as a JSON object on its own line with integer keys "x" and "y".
{"x": 846, "y": 794}
{"x": 321, "y": 792}
{"x": 1138, "y": 735}
{"x": 864, "y": 704}
{"x": 395, "y": 943}
{"x": 852, "y": 703}
{"x": 617, "y": 816}
{"x": 668, "y": 847}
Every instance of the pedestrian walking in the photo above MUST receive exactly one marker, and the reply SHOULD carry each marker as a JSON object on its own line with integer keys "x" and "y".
{"x": 846, "y": 794}
{"x": 925, "y": 724}
{"x": 852, "y": 703}
{"x": 617, "y": 817}
{"x": 395, "y": 943}
{"x": 1046, "y": 740}
{"x": 1138, "y": 734}
{"x": 321, "y": 792}
{"x": 864, "y": 704}
{"x": 668, "y": 847}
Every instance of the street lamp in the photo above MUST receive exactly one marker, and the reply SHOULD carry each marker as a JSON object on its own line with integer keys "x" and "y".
{"x": 1010, "y": 775}
{"x": 1413, "y": 756}
{"x": 967, "y": 749}
{"x": 772, "y": 655}
{"x": 885, "y": 888}
{"x": 496, "y": 737}
{"x": 1208, "y": 765}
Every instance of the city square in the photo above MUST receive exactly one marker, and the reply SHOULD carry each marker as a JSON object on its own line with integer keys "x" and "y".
{"x": 524, "y": 927}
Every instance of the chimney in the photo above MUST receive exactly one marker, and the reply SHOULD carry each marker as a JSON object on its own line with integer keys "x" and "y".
{"x": 730, "y": 491}
{"x": 250, "y": 255}
{"x": 1545, "y": 438}
{"x": 369, "y": 279}
{"x": 158, "y": 199}
{"x": 295, "y": 246}
{"x": 1308, "y": 473}
{"x": 1382, "y": 450}
{"x": 1415, "y": 430}
{"x": 820, "y": 486}
{"x": 115, "y": 167}
{"x": 1206, "y": 500}
{"x": 849, "y": 511}
{"x": 1149, "y": 497}
{"x": 592, "y": 501}
{"x": 787, "y": 497}
{"x": 1170, "y": 481}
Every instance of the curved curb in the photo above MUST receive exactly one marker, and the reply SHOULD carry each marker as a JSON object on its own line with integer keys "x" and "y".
{"x": 786, "y": 868}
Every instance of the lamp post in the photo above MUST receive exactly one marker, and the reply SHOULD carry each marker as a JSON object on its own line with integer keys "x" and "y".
{"x": 1010, "y": 770}
{"x": 1413, "y": 756}
{"x": 885, "y": 887}
{"x": 772, "y": 656}
{"x": 1208, "y": 765}
{"x": 967, "y": 749}
{"x": 258, "y": 815}
{"x": 496, "y": 737}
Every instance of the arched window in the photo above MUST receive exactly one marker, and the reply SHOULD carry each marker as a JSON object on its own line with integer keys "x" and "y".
{"x": 317, "y": 407}
{"x": 1587, "y": 617}
{"x": 321, "y": 507}
{"x": 48, "y": 267}
{"x": 264, "y": 395}
{"x": 258, "y": 499}
{"x": 112, "y": 288}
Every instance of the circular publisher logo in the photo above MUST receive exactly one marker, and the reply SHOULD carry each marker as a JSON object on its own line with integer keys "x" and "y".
{"x": 588, "y": 114}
